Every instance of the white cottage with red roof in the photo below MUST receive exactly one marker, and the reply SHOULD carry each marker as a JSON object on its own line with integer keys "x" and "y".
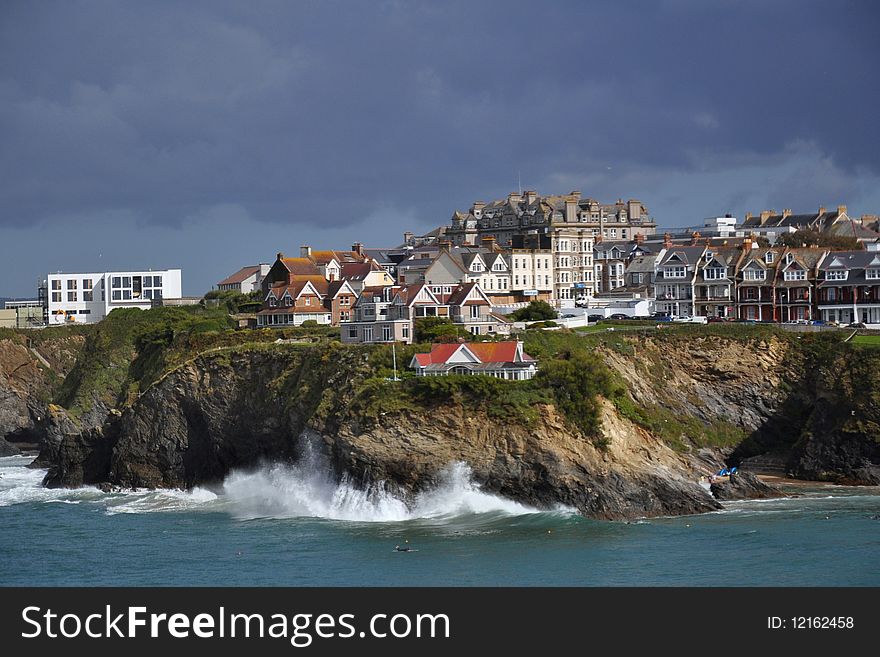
{"x": 503, "y": 360}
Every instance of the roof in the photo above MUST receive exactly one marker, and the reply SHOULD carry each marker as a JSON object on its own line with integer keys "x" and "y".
{"x": 358, "y": 271}
{"x": 460, "y": 294}
{"x": 301, "y": 266}
{"x": 241, "y": 275}
{"x": 485, "y": 352}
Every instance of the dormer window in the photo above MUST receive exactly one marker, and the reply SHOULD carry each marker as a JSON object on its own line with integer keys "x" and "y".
{"x": 872, "y": 274}
{"x": 789, "y": 258}
{"x": 769, "y": 257}
{"x": 754, "y": 275}
{"x": 839, "y": 275}
{"x": 675, "y": 272}
{"x": 795, "y": 275}
{"x": 714, "y": 273}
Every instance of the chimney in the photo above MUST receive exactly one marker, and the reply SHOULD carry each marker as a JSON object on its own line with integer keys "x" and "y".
{"x": 571, "y": 207}
{"x": 305, "y": 251}
{"x": 488, "y": 242}
{"x": 786, "y": 212}
{"x": 576, "y": 195}
{"x": 477, "y": 210}
{"x": 445, "y": 246}
{"x": 407, "y": 238}
{"x": 841, "y": 209}
{"x": 667, "y": 241}
{"x": 531, "y": 196}
{"x": 696, "y": 237}
{"x": 634, "y": 209}
{"x": 514, "y": 197}
{"x": 822, "y": 209}
{"x": 765, "y": 215}
{"x": 280, "y": 255}
{"x": 747, "y": 244}
{"x": 639, "y": 239}
{"x": 358, "y": 248}
{"x": 748, "y": 216}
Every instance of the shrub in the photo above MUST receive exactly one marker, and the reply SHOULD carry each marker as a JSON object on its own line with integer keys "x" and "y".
{"x": 534, "y": 312}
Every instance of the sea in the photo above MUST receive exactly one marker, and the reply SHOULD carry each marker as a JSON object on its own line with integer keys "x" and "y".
{"x": 283, "y": 525}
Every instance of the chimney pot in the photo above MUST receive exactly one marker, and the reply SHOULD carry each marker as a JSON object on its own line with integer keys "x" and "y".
{"x": 841, "y": 209}
{"x": 305, "y": 251}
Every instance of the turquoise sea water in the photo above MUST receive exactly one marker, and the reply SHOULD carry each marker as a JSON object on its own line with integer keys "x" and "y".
{"x": 294, "y": 527}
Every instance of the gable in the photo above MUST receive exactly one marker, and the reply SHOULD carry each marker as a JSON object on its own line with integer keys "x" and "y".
{"x": 462, "y": 355}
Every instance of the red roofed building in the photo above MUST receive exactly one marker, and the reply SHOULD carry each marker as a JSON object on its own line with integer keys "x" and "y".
{"x": 503, "y": 360}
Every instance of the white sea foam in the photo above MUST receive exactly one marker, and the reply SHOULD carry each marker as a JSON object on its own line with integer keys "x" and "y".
{"x": 306, "y": 489}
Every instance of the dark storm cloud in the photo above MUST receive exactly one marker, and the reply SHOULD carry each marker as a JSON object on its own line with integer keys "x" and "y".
{"x": 327, "y": 112}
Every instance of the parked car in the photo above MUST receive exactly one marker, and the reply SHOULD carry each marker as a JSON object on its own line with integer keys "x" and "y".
{"x": 619, "y": 316}
{"x": 818, "y": 322}
{"x": 595, "y": 318}
{"x": 857, "y": 325}
{"x": 716, "y": 320}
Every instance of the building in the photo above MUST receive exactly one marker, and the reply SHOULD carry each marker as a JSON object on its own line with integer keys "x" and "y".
{"x": 29, "y": 313}
{"x": 715, "y": 285}
{"x": 245, "y": 280}
{"x": 389, "y": 314}
{"x": 771, "y": 225}
{"x": 89, "y": 297}
{"x": 756, "y": 283}
{"x": 566, "y": 225}
{"x": 364, "y": 274}
{"x": 796, "y": 281}
{"x": 291, "y": 304}
{"x": 849, "y": 287}
{"x": 503, "y": 360}
{"x": 675, "y": 279}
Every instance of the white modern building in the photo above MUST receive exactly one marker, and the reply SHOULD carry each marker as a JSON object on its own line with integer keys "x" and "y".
{"x": 89, "y": 298}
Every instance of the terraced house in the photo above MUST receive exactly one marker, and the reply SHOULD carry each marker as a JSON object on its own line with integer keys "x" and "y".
{"x": 675, "y": 279}
{"x": 390, "y": 315}
{"x": 715, "y": 286}
{"x": 849, "y": 287}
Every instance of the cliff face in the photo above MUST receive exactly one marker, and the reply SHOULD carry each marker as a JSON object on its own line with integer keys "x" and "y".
{"x": 28, "y": 373}
{"x": 810, "y": 407}
{"x": 234, "y": 411}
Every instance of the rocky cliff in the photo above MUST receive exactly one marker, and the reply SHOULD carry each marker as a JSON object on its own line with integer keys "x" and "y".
{"x": 30, "y": 370}
{"x": 672, "y": 405}
{"x": 236, "y": 409}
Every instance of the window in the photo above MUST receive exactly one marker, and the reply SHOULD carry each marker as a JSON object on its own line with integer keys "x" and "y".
{"x": 56, "y": 296}
{"x": 308, "y": 301}
{"x": 769, "y": 257}
{"x": 126, "y": 281}
{"x": 87, "y": 284}
{"x": 344, "y": 301}
{"x": 872, "y": 274}
{"x": 85, "y": 312}
{"x": 475, "y": 312}
{"x": 754, "y": 274}
{"x": 368, "y": 334}
{"x": 272, "y": 301}
{"x": 56, "y": 285}
{"x": 116, "y": 282}
{"x": 637, "y": 278}
{"x": 117, "y": 296}
{"x": 148, "y": 294}
{"x": 157, "y": 281}
{"x": 88, "y": 295}
{"x": 405, "y": 331}
{"x": 796, "y": 275}
{"x": 71, "y": 296}
{"x": 475, "y": 330}
{"x": 714, "y": 273}
{"x": 353, "y": 332}
{"x": 836, "y": 275}
{"x": 71, "y": 284}
{"x": 675, "y": 272}
{"x": 386, "y": 333}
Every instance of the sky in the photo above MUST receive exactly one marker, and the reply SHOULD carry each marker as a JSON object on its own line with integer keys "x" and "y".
{"x": 212, "y": 135}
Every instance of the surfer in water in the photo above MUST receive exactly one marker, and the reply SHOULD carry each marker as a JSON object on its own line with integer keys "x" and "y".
{"x": 397, "y": 548}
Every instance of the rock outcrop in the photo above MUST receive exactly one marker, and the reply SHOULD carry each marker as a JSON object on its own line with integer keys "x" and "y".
{"x": 743, "y": 486}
